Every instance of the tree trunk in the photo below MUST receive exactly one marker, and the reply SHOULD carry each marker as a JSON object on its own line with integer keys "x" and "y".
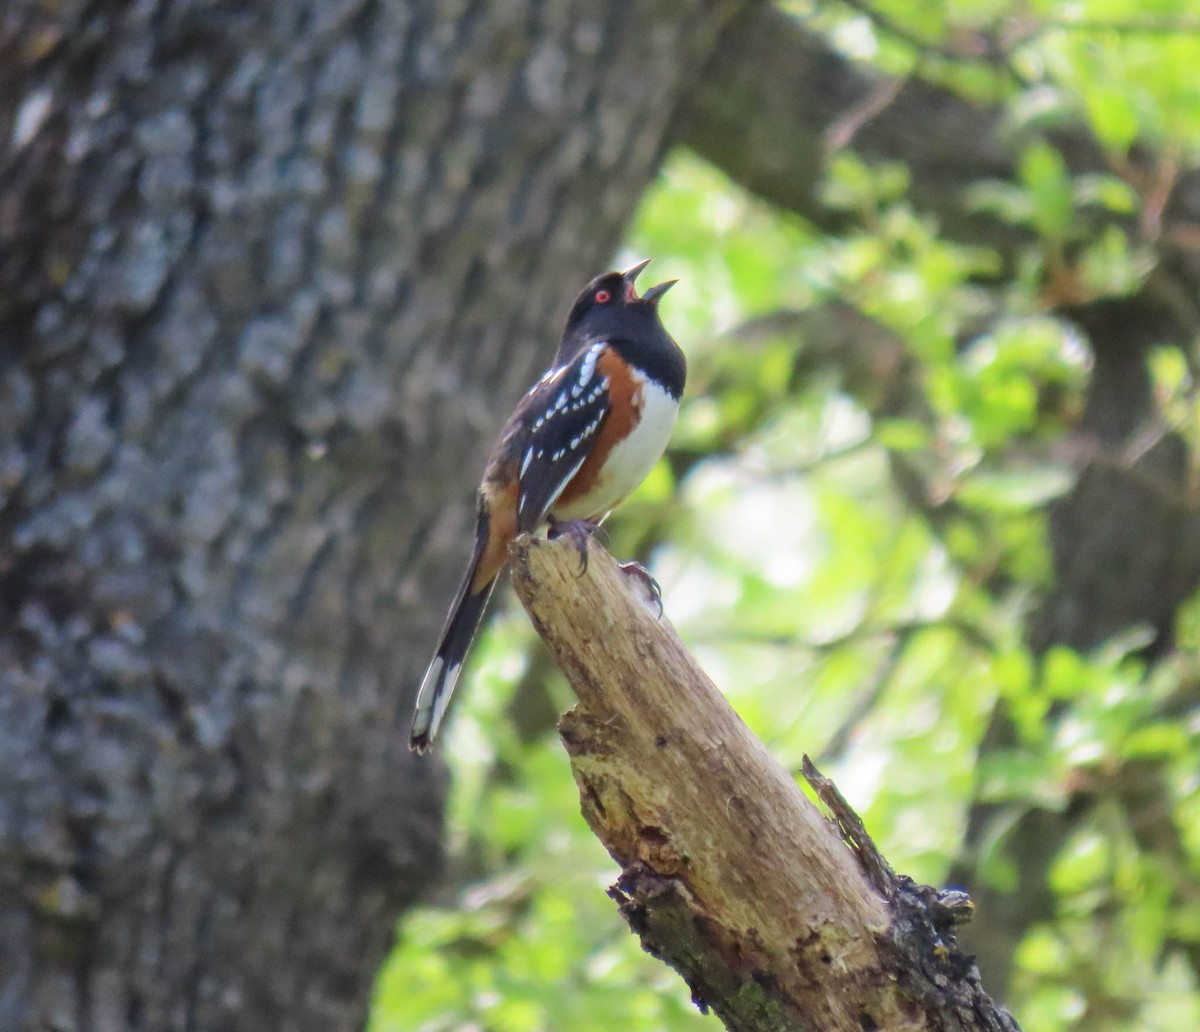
{"x": 270, "y": 276}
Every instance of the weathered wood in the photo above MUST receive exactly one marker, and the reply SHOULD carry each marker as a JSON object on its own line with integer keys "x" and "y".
{"x": 729, "y": 872}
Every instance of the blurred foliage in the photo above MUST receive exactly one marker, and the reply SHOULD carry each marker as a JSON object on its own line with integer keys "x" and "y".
{"x": 845, "y": 615}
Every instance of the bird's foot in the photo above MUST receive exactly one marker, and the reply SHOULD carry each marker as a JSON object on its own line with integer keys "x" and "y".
{"x": 651, "y": 593}
{"x": 579, "y": 532}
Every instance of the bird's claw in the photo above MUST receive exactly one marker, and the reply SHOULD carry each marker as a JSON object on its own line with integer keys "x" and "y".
{"x": 652, "y": 592}
{"x": 580, "y": 532}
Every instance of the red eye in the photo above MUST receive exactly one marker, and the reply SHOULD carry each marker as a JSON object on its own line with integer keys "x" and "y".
{"x": 603, "y": 297}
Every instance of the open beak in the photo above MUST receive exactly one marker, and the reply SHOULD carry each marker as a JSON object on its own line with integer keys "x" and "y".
{"x": 630, "y": 275}
{"x": 653, "y": 294}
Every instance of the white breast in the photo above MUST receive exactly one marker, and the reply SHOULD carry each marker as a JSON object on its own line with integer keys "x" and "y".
{"x": 630, "y": 461}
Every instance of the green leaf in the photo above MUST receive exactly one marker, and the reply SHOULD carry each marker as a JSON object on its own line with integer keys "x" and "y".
{"x": 1113, "y": 117}
{"x": 903, "y": 435}
{"x": 1014, "y": 491}
{"x": 1157, "y": 740}
{"x": 1043, "y": 173}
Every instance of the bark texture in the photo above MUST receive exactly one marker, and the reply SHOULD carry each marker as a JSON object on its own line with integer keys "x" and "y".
{"x": 270, "y": 276}
{"x": 729, "y": 873}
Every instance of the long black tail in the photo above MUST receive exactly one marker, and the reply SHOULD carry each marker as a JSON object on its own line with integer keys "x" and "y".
{"x": 457, "y": 635}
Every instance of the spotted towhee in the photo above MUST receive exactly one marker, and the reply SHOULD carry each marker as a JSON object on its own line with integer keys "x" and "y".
{"x": 578, "y": 443}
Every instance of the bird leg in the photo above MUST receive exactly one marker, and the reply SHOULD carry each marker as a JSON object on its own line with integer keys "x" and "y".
{"x": 579, "y": 531}
{"x": 652, "y": 593}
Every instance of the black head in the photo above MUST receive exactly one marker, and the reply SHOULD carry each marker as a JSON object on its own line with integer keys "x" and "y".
{"x": 609, "y": 308}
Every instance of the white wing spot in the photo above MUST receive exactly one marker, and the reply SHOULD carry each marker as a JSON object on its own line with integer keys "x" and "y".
{"x": 588, "y": 369}
{"x": 526, "y": 461}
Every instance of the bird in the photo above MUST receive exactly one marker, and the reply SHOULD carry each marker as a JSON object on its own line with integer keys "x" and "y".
{"x": 576, "y": 446}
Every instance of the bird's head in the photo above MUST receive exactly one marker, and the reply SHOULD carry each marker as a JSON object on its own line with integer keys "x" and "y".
{"x": 609, "y": 307}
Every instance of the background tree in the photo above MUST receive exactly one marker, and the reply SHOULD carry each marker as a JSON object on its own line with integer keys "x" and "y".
{"x": 270, "y": 275}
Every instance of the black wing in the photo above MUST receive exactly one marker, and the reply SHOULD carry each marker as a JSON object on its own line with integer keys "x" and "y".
{"x": 563, "y": 413}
